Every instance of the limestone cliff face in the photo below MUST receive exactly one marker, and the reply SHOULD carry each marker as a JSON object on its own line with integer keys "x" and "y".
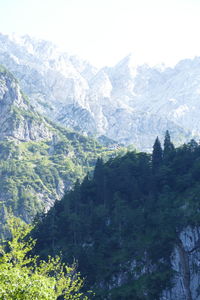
{"x": 186, "y": 264}
{"x": 18, "y": 119}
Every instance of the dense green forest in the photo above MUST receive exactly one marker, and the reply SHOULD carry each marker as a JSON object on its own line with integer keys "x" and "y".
{"x": 122, "y": 223}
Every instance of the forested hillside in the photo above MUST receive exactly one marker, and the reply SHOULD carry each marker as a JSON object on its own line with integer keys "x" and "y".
{"x": 129, "y": 224}
{"x": 34, "y": 174}
{"x": 39, "y": 160}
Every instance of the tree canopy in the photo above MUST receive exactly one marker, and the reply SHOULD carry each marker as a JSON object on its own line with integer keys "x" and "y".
{"x": 127, "y": 219}
{"x": 26, "y": 277}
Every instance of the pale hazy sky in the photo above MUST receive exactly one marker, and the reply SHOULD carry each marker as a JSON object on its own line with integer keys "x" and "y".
{"x": 105, "y": 31}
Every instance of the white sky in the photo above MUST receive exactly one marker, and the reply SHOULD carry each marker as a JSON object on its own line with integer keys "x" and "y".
{"x": 105, "y": 31}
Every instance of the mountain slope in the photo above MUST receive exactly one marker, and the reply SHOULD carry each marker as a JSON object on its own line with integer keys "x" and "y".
{"x": 16, "y": 117}
{"x": 127, "y": 103}
{"x": 49, "y": 77}
{"x": 134, "y": 227}
{"x": 38, "y": 159}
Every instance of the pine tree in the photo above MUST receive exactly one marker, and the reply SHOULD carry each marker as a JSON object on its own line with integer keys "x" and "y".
{"x": 99, "y": 180}
{"x": 98, "y": 171}
{"x": 168, "y": 146}
{"x": 192, "y": 145}
{"x": 157, "y": 155}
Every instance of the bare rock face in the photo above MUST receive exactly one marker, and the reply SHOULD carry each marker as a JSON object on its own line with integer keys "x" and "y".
{"x": 18, "y": 119}
{"x": 127, "y": 103}
{"x": 185, "y": 262}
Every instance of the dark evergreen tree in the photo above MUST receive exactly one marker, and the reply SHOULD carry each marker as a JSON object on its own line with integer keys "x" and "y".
{"x": 192, "y": 145}
{"x": 98, "y": 169}
{"x": 168, "y": 147}
{"x": 99, "y": 180}
{"x": 157, "y": 155}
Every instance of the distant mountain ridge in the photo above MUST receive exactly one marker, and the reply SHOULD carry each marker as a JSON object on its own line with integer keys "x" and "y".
{"x": 127, "y": 103}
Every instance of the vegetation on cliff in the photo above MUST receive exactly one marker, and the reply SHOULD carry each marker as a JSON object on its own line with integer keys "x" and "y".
{"x": 122, "y": 224}
{"x": 34, "y": 174}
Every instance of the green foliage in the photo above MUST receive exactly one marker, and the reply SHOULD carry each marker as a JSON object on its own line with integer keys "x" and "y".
{"x": 25, "y": 277}
{"x": 31, "y": 169}
{"x": 168, "y": 147}
{"x": 122, "y": 224}
{"x": 157, "y": 154}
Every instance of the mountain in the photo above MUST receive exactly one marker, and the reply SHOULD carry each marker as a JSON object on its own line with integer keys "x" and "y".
{"x": 38, "y": 159}
{"x": 134, "y": 228}
{"x": 127, "y": 103}
{"x": 50, "y": 78}
{"x": 16, "y": 117}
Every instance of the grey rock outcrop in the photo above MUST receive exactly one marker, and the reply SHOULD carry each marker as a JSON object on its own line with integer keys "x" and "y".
{"x": 18, "y": 119}
{"x": 186, "y": 264}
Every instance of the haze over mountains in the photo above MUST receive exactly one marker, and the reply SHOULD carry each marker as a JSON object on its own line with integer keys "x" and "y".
{"x": 127, "y": 103}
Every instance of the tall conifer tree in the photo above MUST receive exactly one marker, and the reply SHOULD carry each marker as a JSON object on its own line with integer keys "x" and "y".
{"x": 168, "y": 146}
{"x": 157, "y": 155}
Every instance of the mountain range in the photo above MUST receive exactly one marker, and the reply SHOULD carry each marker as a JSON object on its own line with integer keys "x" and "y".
{"x": 127, "y": 103}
